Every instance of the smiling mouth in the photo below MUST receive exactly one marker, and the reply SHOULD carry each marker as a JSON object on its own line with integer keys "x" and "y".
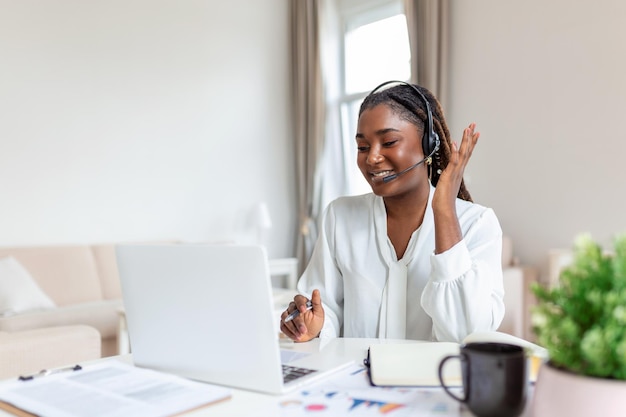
{"x": 377, "y": 176}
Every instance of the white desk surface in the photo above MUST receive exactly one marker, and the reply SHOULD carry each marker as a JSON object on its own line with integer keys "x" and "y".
{"x": 244, "y": 403}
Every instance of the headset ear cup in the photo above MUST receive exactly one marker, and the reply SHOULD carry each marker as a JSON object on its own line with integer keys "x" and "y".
{"x": 436, "y": 142}
{"x": 430, "y": 143}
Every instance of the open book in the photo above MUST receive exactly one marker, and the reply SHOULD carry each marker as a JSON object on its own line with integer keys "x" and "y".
{"x": 417, "y": 364}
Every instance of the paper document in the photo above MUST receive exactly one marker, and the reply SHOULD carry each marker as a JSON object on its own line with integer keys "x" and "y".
{"x": 110, "y": 389}
{"x": 349, "y": 393}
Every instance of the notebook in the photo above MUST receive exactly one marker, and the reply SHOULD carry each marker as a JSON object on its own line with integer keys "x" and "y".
{"x": 417, "y": 363}
{"x": 412, "y": 364}
{"x": 205, "y": 312}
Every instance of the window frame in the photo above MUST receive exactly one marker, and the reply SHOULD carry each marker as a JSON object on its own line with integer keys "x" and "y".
{"x": 353, "y": 14}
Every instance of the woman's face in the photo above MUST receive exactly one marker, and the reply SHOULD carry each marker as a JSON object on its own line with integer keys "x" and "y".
{"x": 387, "y": 145}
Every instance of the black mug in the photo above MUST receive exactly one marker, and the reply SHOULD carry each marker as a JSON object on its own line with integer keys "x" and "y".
{"x": 494, "y": 378}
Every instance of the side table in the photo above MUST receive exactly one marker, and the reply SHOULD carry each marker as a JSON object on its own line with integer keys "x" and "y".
{"x": 287, "y": 267}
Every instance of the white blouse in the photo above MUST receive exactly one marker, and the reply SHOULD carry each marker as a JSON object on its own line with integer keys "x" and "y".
{"x": 367, "y": 292}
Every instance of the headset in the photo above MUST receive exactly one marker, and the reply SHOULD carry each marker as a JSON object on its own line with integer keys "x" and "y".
{"x": 430, "y": 140}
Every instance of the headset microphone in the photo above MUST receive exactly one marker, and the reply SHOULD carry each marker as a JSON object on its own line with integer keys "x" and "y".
{"x": 404, "y": 171}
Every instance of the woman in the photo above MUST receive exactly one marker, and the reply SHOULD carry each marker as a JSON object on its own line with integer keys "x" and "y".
{"x": 416, "y": 258}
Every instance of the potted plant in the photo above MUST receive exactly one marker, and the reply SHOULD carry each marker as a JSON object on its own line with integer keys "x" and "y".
{"x": 582, "y": 324}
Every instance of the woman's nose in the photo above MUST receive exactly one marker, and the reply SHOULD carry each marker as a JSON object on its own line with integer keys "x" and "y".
{"x": 374, "y": 157}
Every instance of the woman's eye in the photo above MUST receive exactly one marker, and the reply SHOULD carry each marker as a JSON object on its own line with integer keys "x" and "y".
{"x": 362, "y": 148}
{"x": 389, "y": 143}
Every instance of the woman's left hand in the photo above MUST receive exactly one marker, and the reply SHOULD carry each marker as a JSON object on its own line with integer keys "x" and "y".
{"x": 450, "y": 179}
{"x": 447, "y": 227}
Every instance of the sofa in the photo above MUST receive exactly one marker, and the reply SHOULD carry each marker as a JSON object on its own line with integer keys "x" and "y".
{"x": 51, "y": 286}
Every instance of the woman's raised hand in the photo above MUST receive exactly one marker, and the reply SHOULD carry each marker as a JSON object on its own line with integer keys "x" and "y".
{"x": 450, "y": 179}
{"x": 447, "y": 228}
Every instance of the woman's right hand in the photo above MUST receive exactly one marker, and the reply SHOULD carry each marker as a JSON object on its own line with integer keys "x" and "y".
{"x": 308, "y": 324}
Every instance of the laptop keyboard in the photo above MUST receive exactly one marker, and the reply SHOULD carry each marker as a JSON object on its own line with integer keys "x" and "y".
{"x": 291, "y": 372}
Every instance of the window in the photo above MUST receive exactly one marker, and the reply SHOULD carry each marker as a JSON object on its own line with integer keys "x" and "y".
{"x": 375, "y": 49}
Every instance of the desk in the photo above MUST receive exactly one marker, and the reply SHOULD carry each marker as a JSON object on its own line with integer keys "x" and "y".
{"x": 246, "y": 403}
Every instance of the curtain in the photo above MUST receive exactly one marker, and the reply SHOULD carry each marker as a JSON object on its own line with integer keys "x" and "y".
{"x": 315, "y": 72}
{"x": 428, "y": 26}
{"x": 333, "y": 179}
{"x": 308, "y": 104}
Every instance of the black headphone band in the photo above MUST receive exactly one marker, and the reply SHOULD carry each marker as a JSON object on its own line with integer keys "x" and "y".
{"x": 430, "y": 140}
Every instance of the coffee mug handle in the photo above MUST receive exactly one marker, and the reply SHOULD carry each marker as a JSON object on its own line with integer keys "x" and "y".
{"x": 441, "y": 364}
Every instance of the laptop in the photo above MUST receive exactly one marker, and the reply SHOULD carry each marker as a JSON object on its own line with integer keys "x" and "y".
{"x": 206, "y": 312}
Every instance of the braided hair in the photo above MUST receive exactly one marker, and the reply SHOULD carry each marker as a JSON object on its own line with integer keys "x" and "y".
{"x": 404, "y": 102}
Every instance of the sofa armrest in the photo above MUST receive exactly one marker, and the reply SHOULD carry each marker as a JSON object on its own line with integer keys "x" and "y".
{"x": 30, "y": 351}
{"x": 101, "y": 315}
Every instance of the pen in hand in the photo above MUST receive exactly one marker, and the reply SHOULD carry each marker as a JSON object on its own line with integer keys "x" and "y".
{"x": 296, "y": 312}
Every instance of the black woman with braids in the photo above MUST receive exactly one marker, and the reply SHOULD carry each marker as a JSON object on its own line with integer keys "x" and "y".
{"x": 416, "y": 258}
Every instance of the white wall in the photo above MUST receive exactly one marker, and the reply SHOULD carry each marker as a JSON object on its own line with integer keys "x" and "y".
{"x": 546, "y": 83}
{"x": 126, "y": 120}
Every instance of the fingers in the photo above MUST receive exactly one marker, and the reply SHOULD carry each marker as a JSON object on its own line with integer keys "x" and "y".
{"x": 470, "y": 138}
{"x": 289, "y": 328}
{"x": 316, "y": 300}
{"x": 300, "y": 301}
{"x": 460, "y": 155}
{"x": 452, "y": 176}
{"x": 296, "y": 326}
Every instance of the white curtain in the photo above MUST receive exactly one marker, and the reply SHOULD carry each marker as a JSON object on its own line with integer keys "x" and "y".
{"x": 316, "y": 114}
{"x": 333, "y": 180}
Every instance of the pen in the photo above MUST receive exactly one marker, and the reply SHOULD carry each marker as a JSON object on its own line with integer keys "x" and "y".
{"x": 46, "y": 372}
{"x": 296, "y": 313}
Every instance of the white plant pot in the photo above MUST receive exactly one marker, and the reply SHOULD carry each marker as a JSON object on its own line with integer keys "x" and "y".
{"x": 564, "y": 394}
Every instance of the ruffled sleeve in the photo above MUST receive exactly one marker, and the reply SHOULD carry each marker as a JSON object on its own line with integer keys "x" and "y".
{"x": 464, "y": 293}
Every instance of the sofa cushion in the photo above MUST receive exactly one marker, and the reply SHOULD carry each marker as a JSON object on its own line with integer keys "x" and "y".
{"x": 18, "y": 290}
{"x": 67, "y": 274}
